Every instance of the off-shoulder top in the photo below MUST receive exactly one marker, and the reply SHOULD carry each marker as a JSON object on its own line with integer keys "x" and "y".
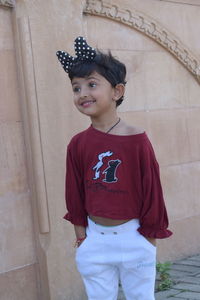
{"x": 116, "y": 177}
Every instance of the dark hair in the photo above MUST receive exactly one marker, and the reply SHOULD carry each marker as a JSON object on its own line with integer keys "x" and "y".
{"x": 106, "y": 65}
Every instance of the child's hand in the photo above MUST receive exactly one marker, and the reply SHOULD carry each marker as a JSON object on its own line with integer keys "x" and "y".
{"x": 152, "y": 241}
{"x": 79, "y": 242}
{"x": 80, "y": 235}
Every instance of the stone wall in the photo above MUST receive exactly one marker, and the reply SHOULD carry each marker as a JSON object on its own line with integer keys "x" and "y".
{"x": 18, "y": 263}
{"x": 159, "y": 42}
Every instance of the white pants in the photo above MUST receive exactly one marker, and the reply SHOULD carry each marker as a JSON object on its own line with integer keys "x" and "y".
{"x": 113, "y": 253}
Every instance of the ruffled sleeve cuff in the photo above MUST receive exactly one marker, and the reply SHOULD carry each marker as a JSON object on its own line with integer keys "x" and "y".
{"x": 76, "y": 220}
{"x": 155, "y": 233}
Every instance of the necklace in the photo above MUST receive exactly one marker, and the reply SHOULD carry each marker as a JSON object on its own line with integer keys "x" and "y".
{"x": 113, "y": 126}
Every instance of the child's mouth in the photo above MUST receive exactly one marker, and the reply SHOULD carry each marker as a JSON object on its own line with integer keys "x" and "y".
{"x": 87, "y": 103}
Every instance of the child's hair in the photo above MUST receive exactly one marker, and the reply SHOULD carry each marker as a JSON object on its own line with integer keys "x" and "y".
{"x": 106, "y": 65}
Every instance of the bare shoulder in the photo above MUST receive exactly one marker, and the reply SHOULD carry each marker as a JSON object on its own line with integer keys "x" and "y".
{"x": 132, "y": 130}
{"x": 127, "y": 129}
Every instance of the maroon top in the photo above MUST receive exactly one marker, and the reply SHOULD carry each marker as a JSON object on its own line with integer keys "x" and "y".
{"x": 116, "y": 177}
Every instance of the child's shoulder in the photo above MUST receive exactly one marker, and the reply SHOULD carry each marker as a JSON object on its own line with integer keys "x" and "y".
{"x": 133, "y": 130}
{"x": 127, "y": 129}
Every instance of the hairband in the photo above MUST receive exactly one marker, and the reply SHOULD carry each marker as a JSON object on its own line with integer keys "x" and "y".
{"x": 83, "y": 53}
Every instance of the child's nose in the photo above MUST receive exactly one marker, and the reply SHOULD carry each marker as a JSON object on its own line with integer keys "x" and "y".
{"x": 84, "y": 93}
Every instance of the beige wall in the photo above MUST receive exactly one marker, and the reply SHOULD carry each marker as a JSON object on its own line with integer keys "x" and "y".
{"x": 17, "y": 246}
{"x": 162, "y": 97}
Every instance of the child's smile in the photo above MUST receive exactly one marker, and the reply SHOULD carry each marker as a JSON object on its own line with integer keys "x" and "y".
{"x": 93, "y": 95}
{"x": 87, "y": 103}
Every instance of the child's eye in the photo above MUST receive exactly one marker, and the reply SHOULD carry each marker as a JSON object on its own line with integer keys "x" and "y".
{"x": 92, "y": 84}
{"x": 76, "y": 89}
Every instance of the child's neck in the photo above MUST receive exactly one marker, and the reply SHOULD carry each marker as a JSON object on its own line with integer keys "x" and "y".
{"x": 105, "y": 124}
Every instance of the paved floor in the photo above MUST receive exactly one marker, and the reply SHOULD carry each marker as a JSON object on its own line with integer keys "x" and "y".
{"x": 185, "y": 274}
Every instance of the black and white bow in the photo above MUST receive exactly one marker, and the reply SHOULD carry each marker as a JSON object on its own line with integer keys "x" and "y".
{"x": 83, "y": 52}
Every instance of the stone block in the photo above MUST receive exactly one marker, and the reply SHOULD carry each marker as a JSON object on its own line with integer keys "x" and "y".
{"x": 17, "y": 242}
{"x": 183, "y": 240}
{"x": 195, "y": 258}
{"x": 182, "y": 268}
{"x": 187, "y": 287}
{"x": 123, "y": 37}
{"x": 180, "y": 183}
{"x": 193, "y": 125}
{"x": 155, "y": 81}
{"x": 166, "y": 294}
{"x": 189, "y": 295}
{"x": 9, "y": 100}
{"x": 19, "y": 284}
{"x": 189, "y": 262}
{"x": 6, "y": 35}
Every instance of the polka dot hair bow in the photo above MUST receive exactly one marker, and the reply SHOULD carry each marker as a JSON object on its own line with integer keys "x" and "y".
{"x": 83, "y": 52}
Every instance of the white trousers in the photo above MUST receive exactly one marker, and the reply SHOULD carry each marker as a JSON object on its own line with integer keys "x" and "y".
{"x": 113, "y": 253}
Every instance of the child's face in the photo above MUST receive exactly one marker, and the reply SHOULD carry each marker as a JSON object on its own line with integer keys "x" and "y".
{"x": 94, "y": 95}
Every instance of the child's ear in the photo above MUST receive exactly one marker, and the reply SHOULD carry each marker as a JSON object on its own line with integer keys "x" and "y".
{"x": 119, "y": 90}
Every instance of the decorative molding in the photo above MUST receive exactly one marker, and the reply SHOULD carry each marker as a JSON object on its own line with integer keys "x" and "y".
{"x": 149, "y": 27}
{"x": 7, "y": 3}
{"x": 31, "y": 105}
{"x": 187, "y": 2}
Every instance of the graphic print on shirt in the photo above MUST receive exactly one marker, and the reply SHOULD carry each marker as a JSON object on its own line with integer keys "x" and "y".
{"x": 110, "y": 171}
{"x": 100, "y": 163}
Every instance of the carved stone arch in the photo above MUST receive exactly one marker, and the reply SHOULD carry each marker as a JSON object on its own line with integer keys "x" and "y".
{"x": 148, "y": 26}
{"x": 7, "y": 3}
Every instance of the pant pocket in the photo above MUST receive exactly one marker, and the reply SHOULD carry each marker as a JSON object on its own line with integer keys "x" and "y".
{"x": 82, "y": 248}
{"x": 149, "y": 244}
{"x": 139, "y": 254}
{"x": 91, "y": 256}
{"x": 82, "y": 255}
